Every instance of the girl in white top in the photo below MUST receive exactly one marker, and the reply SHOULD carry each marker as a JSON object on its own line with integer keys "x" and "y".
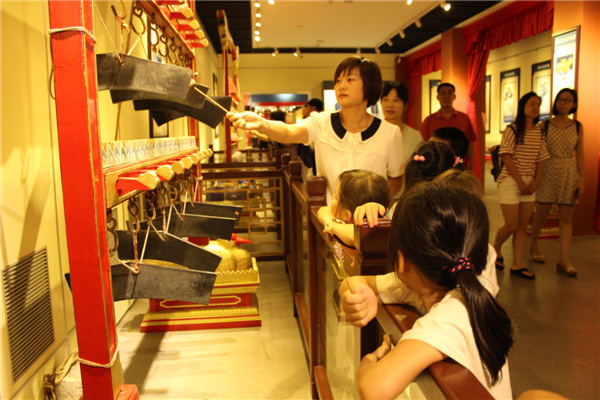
{"x": 438, "y": 244}
{"x": 344, "y": 140}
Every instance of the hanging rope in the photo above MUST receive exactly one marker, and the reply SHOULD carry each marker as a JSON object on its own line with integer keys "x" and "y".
{"x": 51, "y": 381}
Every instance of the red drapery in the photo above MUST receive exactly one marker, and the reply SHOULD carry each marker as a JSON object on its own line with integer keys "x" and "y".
{"x": 512, "y": 23}
{"x": 422, "y": 62}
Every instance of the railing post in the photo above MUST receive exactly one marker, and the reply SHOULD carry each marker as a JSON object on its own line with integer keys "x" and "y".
{"x": 315, "y": 188}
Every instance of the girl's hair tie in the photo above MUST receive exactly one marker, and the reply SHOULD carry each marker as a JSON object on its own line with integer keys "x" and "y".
{"x": 419, "y": 158}
{"x": 457, "y": 160}
{"x": 459, "y": 264}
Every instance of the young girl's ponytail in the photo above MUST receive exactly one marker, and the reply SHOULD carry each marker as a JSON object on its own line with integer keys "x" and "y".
{"x": 490, "y": 323}
{"x": 444, "y": 232}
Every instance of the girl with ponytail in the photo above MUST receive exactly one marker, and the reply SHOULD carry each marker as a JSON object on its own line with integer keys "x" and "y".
{"x": 438, "y": 244}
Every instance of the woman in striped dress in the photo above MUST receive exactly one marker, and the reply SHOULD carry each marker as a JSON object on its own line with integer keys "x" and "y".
{"x": 522, "y": 150}
{"x": 562, "y": 180}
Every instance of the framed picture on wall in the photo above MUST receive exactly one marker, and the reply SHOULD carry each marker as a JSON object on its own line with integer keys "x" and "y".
{"x": 541, "y": 84}
{"x": 488, "y": 103}
{"x": 509, "y": 96}
{"x": 434, "y": 104}
{"x": 565, "y": 48}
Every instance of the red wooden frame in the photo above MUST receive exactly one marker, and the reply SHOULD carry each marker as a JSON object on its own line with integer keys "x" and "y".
{"x": 84, "y": 203}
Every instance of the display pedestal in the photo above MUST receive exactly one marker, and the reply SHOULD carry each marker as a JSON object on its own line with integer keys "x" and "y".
{"x": 233, "y": 304}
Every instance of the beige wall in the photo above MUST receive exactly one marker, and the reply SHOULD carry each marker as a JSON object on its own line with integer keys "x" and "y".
{"x": 30, "y": 192}
{"x": 263, "y": 73}
{"x": 521, "y": 54}
{"x": 31, "y": 199}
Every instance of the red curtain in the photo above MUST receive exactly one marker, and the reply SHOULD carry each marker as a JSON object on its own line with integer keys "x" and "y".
{"x": 512, "y": 23}
{"x": 422, "y": 62}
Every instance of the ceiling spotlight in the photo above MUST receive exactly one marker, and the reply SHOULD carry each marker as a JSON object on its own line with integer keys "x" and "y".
{"x": 402, "y": 34}
{"x": 271, "y": 2}
{"x": 446, "y": 6}
{"x": 418, "y": 23}
{"x": 257, "y": 38}
{"x": 377, "y": 50}
{"x": 409, "y": 2}
{"x": 258, "y": 24}
{"x": 257, "y": 32}
{"x": 275, "y": 52}
{"x": 389, "y": 42}
{"x": 258, "y": 15}
{"x": 256, "y": 4}
{"x": 297, "y": 52}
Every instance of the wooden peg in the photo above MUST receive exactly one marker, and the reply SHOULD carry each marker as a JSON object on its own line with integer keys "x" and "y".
{"x": 165, "y": 172}
{"x": 136, "y": 180}
{"x": 180, "y": 12}
{"x": 178, "y": 166}
{"x": 187, "y": 162}
{"x": 195, "y": 158}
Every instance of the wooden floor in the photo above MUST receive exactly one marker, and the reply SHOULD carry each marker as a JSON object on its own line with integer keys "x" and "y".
{"x": 556, "y": 320}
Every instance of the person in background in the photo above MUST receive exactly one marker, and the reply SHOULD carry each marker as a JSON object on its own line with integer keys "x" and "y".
{"x": 523, "y": 149}
{"x": 306, "y": 154}
{"x": 349, "y": 139}
{"x": 355, "y": 187}
{"x": 439, "y": 247}
{"x": 455, "y": 138}
{"x": 562, "y": 177}
{"x": 394, "y": 99}
{"x": 448, "y": 116}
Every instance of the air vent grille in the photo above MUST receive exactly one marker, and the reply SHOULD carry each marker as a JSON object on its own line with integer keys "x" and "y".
{"x": 28, "y": 310}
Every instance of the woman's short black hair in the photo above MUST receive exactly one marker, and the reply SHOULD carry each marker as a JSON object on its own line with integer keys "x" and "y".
{"x": 369, "y": 73}
{"x": 401, "y": 90}
{"x": 561, "y": 91}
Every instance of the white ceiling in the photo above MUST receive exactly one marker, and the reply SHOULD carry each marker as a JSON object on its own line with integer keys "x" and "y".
{"x": 334, "y": 23}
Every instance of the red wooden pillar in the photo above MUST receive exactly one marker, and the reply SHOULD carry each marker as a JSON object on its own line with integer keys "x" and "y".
{"x": 84, "y": 202}
{"x": 224, "y": 52}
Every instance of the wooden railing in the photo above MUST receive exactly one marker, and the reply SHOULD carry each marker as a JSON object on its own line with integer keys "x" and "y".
{"x": 316, "y": 266}
{"x": 258, "y": 188}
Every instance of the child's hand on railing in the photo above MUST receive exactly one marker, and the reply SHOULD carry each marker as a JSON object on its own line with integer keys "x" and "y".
{"x": 371, "y": 211}
{"x": 359, "y": 301}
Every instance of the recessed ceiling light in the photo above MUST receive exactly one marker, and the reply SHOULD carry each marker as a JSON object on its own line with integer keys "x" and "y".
{"x": 257, "y": 32}
{"x": 446, "y": 6}
{"x": 258, "y": 24}
{"x": 258, "y": 15}
{"x": 418, "y": 23}
{"x": 271, "y": 2}
{"x": 409, "y": 2}
{"x": 389, "y": 42}
{"x": 257, "y": 38}
{"x": 257, "y": 4}
{"x": 402, "y": 34}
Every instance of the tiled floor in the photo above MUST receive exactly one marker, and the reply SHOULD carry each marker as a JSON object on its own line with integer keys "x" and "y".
{"x": 242, "y": 363}
{"x": 556, "y": 320}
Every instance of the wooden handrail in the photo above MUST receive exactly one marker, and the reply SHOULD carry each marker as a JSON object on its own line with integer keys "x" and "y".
{"x": 454, "y": 380}
{"x": 370, "y": 257}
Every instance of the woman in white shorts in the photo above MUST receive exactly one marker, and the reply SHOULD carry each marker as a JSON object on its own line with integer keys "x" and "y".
{"x": 522, "y": 150}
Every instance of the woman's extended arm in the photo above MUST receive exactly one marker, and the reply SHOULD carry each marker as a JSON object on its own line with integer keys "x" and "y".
{"x": 275, "y": 130}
